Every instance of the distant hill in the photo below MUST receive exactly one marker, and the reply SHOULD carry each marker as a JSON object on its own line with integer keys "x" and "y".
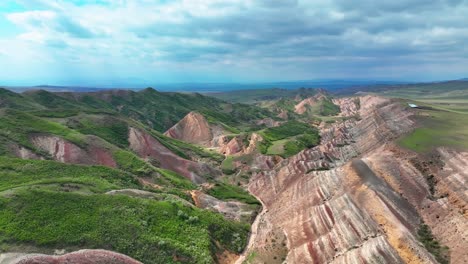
{"x": 159, "y": 110}
{"x": 257, "y": 95}
{"x": 212, "y": 87}
{"x": 446, "y": 89}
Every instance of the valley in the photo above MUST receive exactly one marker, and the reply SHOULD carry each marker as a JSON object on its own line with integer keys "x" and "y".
{"x": 295, "y": 176}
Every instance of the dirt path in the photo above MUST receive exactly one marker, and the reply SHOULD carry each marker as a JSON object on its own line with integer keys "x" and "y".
{"x": 253, "y": 232}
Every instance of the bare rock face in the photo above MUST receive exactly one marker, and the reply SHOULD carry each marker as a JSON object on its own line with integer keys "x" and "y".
{"x": 255, "y": 138}
{"x": 86, "y": 256}
{"x": 67, "y": 152}
{"x": 232, "y": 147}
{"x": 348, "y": 106}
{"x": 148, "y": 147}
{"x": 232, "y": 210}
{"x": 283, "y": 114}
{"x": 449, "y": 213}
{"x": 356, "y": 198}
{"x": 303, "y": 105}
{"x": 193, "y": 128}
{"x": 23, "y": 153}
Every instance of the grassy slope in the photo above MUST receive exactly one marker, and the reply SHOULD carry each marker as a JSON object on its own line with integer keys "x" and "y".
{"x": 225, "y": 191}
{"x": 256, "y": 95}
{"x": 75, "y": 192}
{"x": 444, "y": 119}
{"x": 18, "y": 126}
{"x": 288, "y": 139}
{"x": 159, "y": 110}
{"x": 49, "y": 204}
{"x": 163, "y": 110}
{"x": 19, "y": 173}
{"x": 438, "y": 128}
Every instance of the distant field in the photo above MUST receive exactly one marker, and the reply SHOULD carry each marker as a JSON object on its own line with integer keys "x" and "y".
{"x": 446, "y": 96}
{"x": 443, "y": 121}
{"x": 446, "y": 124}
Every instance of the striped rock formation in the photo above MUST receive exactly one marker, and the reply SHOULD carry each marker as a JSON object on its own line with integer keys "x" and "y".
{"x": 358, "y": 197}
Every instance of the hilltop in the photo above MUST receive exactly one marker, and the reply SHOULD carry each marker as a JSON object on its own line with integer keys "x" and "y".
{"x": 294, "y": 175}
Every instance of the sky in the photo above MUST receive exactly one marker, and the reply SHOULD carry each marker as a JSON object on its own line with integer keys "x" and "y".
{"x": 145, "y": 42}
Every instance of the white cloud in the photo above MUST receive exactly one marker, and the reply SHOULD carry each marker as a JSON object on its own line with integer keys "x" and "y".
{"x": 282, "y": 39}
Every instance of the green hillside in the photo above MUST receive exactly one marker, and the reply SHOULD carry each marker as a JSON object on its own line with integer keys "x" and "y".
{"x": 258, "y": 95}
{"x": 45, "y": 204}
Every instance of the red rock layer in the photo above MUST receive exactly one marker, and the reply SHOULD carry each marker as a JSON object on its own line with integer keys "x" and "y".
{"x": 67, "y": 152}
{"x": 148, "y": 147}
{"x": 303, "y": 105}
{"x": 352, "y": 199}
{"x": 86, "y": 256}
{"x": 193, "y": 128}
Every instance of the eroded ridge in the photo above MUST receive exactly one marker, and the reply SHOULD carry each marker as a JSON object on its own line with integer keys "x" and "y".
{"x": 356, "y": 198}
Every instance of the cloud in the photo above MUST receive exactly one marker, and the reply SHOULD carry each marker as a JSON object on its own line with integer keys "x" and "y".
{"x": 49, "y": 22}
{"x": 247, "y": 39}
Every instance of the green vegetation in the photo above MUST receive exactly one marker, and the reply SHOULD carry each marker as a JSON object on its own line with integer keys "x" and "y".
{"x": 288, "y": 129}
{"x": 251, "y": 257}
{"x": 156, "y": 109}
{"x": 147, "y": 230}
{"x": 18, "y": 126}
{"x": 276, "y": 147}
{"x": 288, "y": 139}
{"x": 228, "y": 165}
{"x": 177, "y": 180}
{"x": 441, "y": 253}
{"x": 13, "y": 100}
{"x": 305, "y": 141}
{"x": 443, "y": 117}
{"x": 16, "y": 173}
{"x": 51, "y": 100}
{"x": 163, "y": 110}
{"x": 106, "y": 127}
{"x": 128, "y": 161}
{"x": 50, "y": 204}
{"x": 226, "y": 191}
{"x": 256, "y": 95}
{"x": 438, "y": 128}
{"x": 185, "y": 150}
{"x": 46, "y": 204}
{"x": 328, "y": 108}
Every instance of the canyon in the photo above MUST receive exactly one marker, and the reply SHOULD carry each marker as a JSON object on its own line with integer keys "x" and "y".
{"x": 360, "y": 198}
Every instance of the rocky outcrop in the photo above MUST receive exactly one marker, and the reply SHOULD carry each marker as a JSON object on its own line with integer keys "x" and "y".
{"x": 349, "y": 106}
{"x": 231, "y": 210}
{"x": 447, "y": 213}
{"x": 86, "y": 256}
{"x": 22, "y": 152}
{"x": 283, "y": 114}
{"x": 147, "y": 147}
{"x": 64, "y": 151}
{"x": 193, "y": 128}
{"x": 232, "y": 147}
{"x": 254, "y": 139}
{"x": 354, "y": 199}
{"x": 305, "y": 104}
